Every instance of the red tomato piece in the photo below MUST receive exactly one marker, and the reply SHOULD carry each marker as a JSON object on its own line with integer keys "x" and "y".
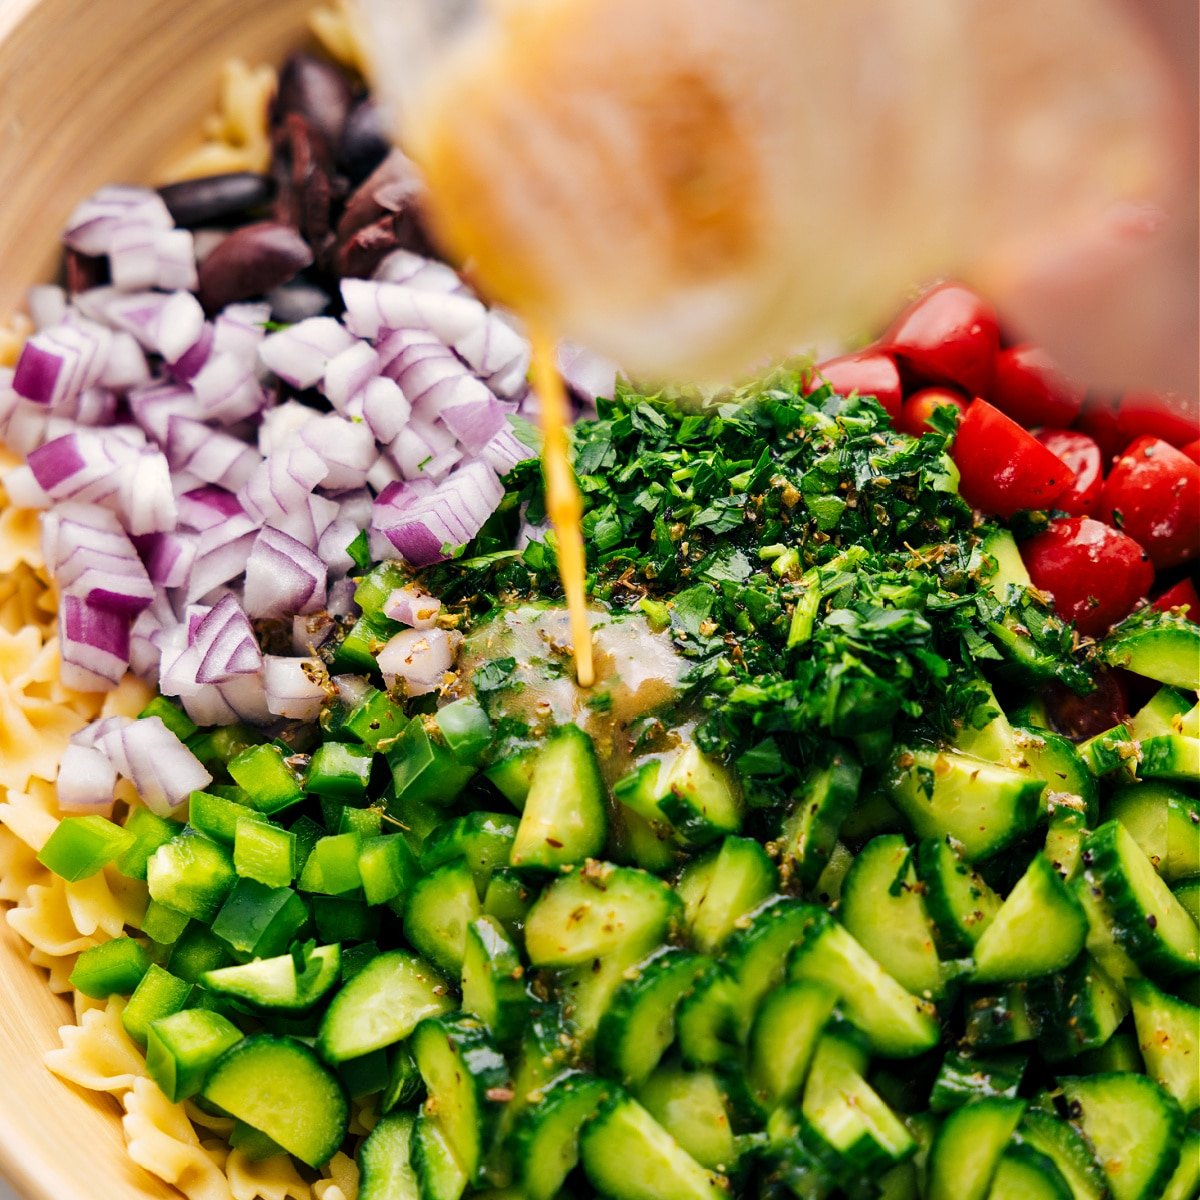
{"x": 949, "y": 335}
{"x": 1095, "y": 573}
{"x": 1085, "y": 716}
{"x": 1004, "y": 468}
{"x": 869, "y": 373}
{"x": 914, "y": 418}
{"x": 1183, "y": 593}
{"x": 1192, "y": 450}
{"x": 1153, "y": 494}
{"x": 1158, "y": 414}
{"x": 1099, "y": 421}
{"x": 1082, "y": 455}
{"x": 1032, "y": 390}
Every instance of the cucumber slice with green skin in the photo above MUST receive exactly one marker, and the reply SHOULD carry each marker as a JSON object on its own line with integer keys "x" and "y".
{"x": 1147, "y": 920}
{"x": 967, "y": 1148}
{"x": 628, "y": 1155}
{"x": 1113, "y": 751}
{"x": 1079, "y": 1009}
{"x": 895, "y": 1022}
{"x": 1027, "y": 1174}
{"x": 1168, "y": 1033}
{"x": 440, "y": 909}
{"x": 1162, "y": 713}
{"x": 958, "y": 900}
{"x": 848, "y": 1116}
{"x": 509, "y": 898}
{"x": 982, "y": 805}
{"x": 718, "y": 891}
{"x": 384, "y": 1164}
{"x": 1066, "y": 832}
{"x": 1061, "y": 1142}
{"x": 1000, "y": 1017}
{"x": 593, "y": 911}
{"x": 685, "y": 789}
{"x": 1188, "y": 894}
{"x": 691, "y": 1107}
{"x": 1172, "y": 756}
{"x": 999, "y": 563}
{"x": 707, "y": 1024}
{"x": 274, "y": 984}
{"x": 1053, "y": 759}
{"x": 513, "y": 775}
{"x": 639, "y": 1023}
{"x": 820, "y": 807}
{"x": 545, "y": 1139}
{"x": 467, "y": 1081}
{"x": 1165, "y": 822}
{"x": 882, "y": 907}
{"x": 783, "y": 1039}
{"x": 1185, "y": 1183}
{"x": 987, "y": 732}
{"x": 828, "y": 888}
{"x": 1119, "y": 1054}
{"x": 483, "y": 839}
{"x": 381, "y": 1005}
{"x": 756, "y": 955}
{"x": 278, "y": 1086}
{"x": 404, "y": 1083}
{"x": 1101, "y": 940}
{"x": 440, "y": 1176}
{"x": 1167, "y": 649}
{"x": 493, "y": 980}
{"x": 1189, "y": 723}
{"x": 564, "y": 820}
{"x": 964, "y": 1076}
{"x": 1039, "y": 929}
{"x": 1134, "y": 1127}
{"x": 646, "y": 845}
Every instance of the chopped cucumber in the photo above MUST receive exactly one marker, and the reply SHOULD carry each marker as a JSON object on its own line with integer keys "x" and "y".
{"x": 546, "y": 1135}
{"x": 967, "y": 1148}
{"x": 1168, "y": 1031}
{"x": 384, "y": 1161}
{"x": 691, "y": 1107}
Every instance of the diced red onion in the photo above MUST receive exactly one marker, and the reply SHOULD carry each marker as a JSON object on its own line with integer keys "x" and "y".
{"x": 209, "y": 454}
{"x": 204, "y": 507}
{"x": 311, "y": 631}
{"x": 188, "y": 365}
{"x": 86, "y": 780}
{"x": 385, "y": 408}
{"x": 93, "y": 734}
{"x": 23, "y": 489}
{"x": 416, "y": 271}
{"x": 340, "y": 601}
{"x": 126, "y": 366}
{"x": 143, "y": 256}
{"x": 278, "y": 488}
{"x": 294, "y": 687}
{"x": 96, "y": 562}
{"x": 504, "y": 451}
{"x": 146, "y": 499}
{"x": 221, "y": 555}
{"x": 355, "y": 505}
{"x": 56, "y": 364}
{"x": 412, "y": 605}
{"x": 229, "y": 389}
{"x": 162, "y": 769}
{"x": 333, "y": 545}
{"x": 350, "y": 689}
{"x": 281, "y": 425}
{"x": 168, "y": 557}
{"x": 348, "y": 372}
{"x": 47, "y": 305}
{"x": 225, "y": 642}
{"x": 240, "y": 328}
{"x": 372, "y": 306}
{"x": 94, "y": 645}
{"x": 154, "y": 404}
{"x": 283, "y": 577}
{"x": 179, "y": 327}
{"x": 93, "y": 222}
{"x": 418, "y": 657}
{"x": 348, "y": 448}
{"x": 246, "y": 699}
{"x": 300, "y": 353}
{"x": 431, "y": 528}
{"x": 423, "y": 450}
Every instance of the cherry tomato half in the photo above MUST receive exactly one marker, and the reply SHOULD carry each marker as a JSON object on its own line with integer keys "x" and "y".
{"x": 1032, "y": 390}
{"x": 1192, "y": 450}
{"x": 869, "y": 373}
{"x": 914, "y": 417}
{"x": 1095, "y": 573}
{"x": 1153, "y": 494}
{"x": 1099, "y": 421}
{"x": 950, "y": 335}
{"x": 1082, "y": 455}
{"x": 1183, "y": 593}
{"x": 1158, "y": 414}
{"x": 1004, "y": 468}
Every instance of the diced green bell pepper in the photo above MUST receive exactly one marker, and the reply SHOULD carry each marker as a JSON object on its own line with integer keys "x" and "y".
{"x": 264, "y": 852}
{"x": 341, "y": 770}
{"x": 342, "y": 920}
{"x": 181, "y": 1049}
{"x": 196, "y": 951}
{"x": 81, "y": 846}
{"x": 172, "y": 716}
{"x": 332, "y": 867}
{"x": 191, "y": 874}
{"x": 270, "y": 782}
{"x": 258, "y": 921}
{"x": 112, "y": 967}
{"x": 424, "y": 769}
{"x": 158, "y": 995}
{"x": 388, "y": 868}
{"x": 467, "y": 730}
{"x": 149, "y": 832}
{"x": 162, "y": 924}
{"x": 216, "y": 817}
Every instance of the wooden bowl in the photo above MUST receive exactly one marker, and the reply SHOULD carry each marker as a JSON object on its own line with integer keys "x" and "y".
{"x": 91, "y": 92}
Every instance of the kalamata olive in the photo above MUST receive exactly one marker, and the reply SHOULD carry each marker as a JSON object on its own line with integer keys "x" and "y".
{"x": 216, "y": 198}
{"x": 252, "y": 261}
{"x": 315, "y": 90}
{"x": 303, "y": 168}
{"x": 83, "y": 271}
{"x": 382, "y": 215}
{"x": 364, "y": 143}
